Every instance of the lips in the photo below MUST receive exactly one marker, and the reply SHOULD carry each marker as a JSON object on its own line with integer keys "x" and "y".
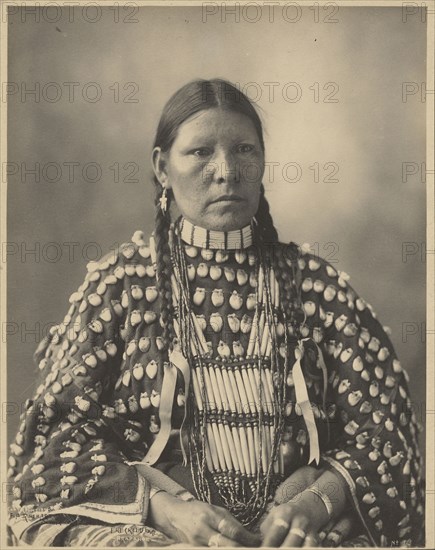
{"x": 228, "y": 198}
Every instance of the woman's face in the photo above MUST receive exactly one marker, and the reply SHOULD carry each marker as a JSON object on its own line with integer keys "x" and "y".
{"x": 214, "y": 168}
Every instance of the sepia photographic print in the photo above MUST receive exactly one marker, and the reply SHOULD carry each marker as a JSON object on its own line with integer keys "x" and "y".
{"x": 217, "y": 283}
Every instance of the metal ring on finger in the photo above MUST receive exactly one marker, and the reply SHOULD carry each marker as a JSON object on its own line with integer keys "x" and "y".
{"x": 297, "y": 532}
{"x": 279, "y": 522}
{"x": 221, "y": 525}
{"x": 213, "y": 541}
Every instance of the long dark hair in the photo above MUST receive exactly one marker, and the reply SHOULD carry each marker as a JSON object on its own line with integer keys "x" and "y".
{"x": 193, "y": 97}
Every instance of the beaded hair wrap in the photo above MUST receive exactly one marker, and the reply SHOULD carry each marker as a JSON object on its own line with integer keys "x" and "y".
{"x": 236, "y": 409}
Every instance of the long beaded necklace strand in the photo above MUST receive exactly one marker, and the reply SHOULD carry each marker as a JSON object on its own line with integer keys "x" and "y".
{"x": 215, "y": 426}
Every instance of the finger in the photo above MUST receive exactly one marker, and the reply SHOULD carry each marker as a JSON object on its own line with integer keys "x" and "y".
{"x": 276, "y": 531}
{"x": 311, "y": 540}
{"x": 232, "y": 529}
{"x": 217, "y": 540}
{"x": 297, "y": 533}
{"x": 340, "y": 531}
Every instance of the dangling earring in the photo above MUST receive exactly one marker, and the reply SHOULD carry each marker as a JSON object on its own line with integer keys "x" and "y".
{"x": 164, "y": 201}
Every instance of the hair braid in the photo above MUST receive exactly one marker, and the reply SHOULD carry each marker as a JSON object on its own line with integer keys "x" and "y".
{"x": 164, "y": 269}
{"x": 283, "y": 259}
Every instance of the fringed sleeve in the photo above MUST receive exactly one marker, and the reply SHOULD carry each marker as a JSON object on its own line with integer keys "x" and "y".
{"x": 373, "y": 443}
{"x": 70, "y": 453}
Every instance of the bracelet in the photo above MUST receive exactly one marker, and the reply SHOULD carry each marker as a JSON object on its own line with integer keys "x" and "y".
{"x": 324, "y": 498}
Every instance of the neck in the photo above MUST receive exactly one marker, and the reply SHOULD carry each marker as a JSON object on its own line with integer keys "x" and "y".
{"x": 195, "y": 235}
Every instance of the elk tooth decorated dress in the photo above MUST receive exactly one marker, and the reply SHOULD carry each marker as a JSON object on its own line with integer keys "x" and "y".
{"x": 250, "y": 391}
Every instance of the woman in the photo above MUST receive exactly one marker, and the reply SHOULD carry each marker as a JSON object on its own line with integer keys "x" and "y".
{"x": 213, "y": 386}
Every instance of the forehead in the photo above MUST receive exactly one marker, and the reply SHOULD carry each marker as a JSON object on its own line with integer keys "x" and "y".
{"x": 216, "y": 124}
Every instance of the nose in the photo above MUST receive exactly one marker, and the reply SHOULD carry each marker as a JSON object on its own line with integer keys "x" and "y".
{"x": 226, "y": 167}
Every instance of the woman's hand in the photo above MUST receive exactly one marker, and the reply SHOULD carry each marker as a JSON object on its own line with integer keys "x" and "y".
{"x": 198, "y": 523}
{"x": 291, "y": 525}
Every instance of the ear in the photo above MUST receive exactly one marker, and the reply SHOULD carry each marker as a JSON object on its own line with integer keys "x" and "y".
{"x": 159, "y": 162}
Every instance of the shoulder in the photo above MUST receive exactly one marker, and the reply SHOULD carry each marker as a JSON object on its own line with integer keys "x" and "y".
{"x": 132, "y": 259}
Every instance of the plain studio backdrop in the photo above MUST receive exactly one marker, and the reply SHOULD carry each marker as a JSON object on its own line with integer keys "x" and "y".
{"x": 342, "y": 100}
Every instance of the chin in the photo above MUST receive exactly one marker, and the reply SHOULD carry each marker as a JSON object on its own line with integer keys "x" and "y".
{"x": 228, "y": 223}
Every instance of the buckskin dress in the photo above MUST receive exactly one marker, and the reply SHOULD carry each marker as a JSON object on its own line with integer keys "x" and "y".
{"x": 105, "y": 402}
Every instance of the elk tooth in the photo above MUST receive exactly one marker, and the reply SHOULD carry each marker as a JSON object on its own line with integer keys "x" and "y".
{"x": 221, "y": 256}
{"x": 389, "y": 425}
{"x": 217, "y": 297}
{"x": 230, "y": 274}
{"x": 159, "y": 343}
{"x": 340, "y": 322}
{"x": 362, "y": 438}
{"x": 37, "y": 469}
{"x": 68, "y": 480}
{"x": 132, "y": 404}
{"x": 358, "y": 364}
{"x": 149, "y": 317}
{"x": 354, "y": 398}
{"x": 96, "y": 326}
{"x": 207, "y": 254}
{"x": 242, "y": 277}
{"x": 236, "y": 301}
{"x": 136, "y": 292}
{"x": 309, "y": 308}
{"x": 69, "y": 467}
{"x": 351, "y": 427}
{"x": 344, "y": 386}
{"x": 199, "y": 296}
{"x": 329, "y": 319}
{"x": 307, "y": 284}
{"x": 135, "y": 317}
{"x": 251, "y": 301}
{"x": 111, "y": 348}
{"x": 379, "y": 372}
{"x": 365, "y": 375}
{"x": 216, "y": 322}
{"x": 145, "y": 251}
{"x": 151, "y": 369}
{"x": 155, "y": 399}
{"x": 346, "y": 355}
{"x": 154, "y": 427}
{"x": 233, "y": 322}
{"x": 202, "y": 270}
{"x": 246, "y": 324}
{"x": 138, "y": 371}
{"x": 201, "y": 322}
{"x": 40, "y": 497}
{"x": 98, "y": 470}
{"x": 126, "y": 377}
{"x": 79, "y": 370}
{"x": 131, "y": 347}
{"x": 144, "y": 344}
{"x": 191, "y": 272}
{"x": 151, "y": 271}
{"x": 95, "y": 300}
{"x": 392, "y": 492}
{"x": 117, "y": 307}
{"x": 238, "y": 349}
{"x": 181, "y": 399}
{"x": 396, "y": 459}
{"x": 369, "y": 498}
{"x": 329, "y": 293}
{"x": 365, "y": 408}
{"x": 363, "y": 482}
{"x": 377, "y": 417}
{"x": 397, "y": 367}
{"x": 374, "y": 455}
{"x": 318, "y": 286}
{"x": 215, "y": 272}
{"x": 82, "y": 404}
{"x": 223, "y": 349}
{"x": 253, "y": 280}
{"x": 144, "y": 400}
{"x": 240, "y": 256}
{"x": 191, "y": 251}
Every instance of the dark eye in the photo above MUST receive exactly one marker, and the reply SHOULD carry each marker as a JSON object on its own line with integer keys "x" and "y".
{"x": 245, "y": 148}
{"x": 201, "y": 152}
